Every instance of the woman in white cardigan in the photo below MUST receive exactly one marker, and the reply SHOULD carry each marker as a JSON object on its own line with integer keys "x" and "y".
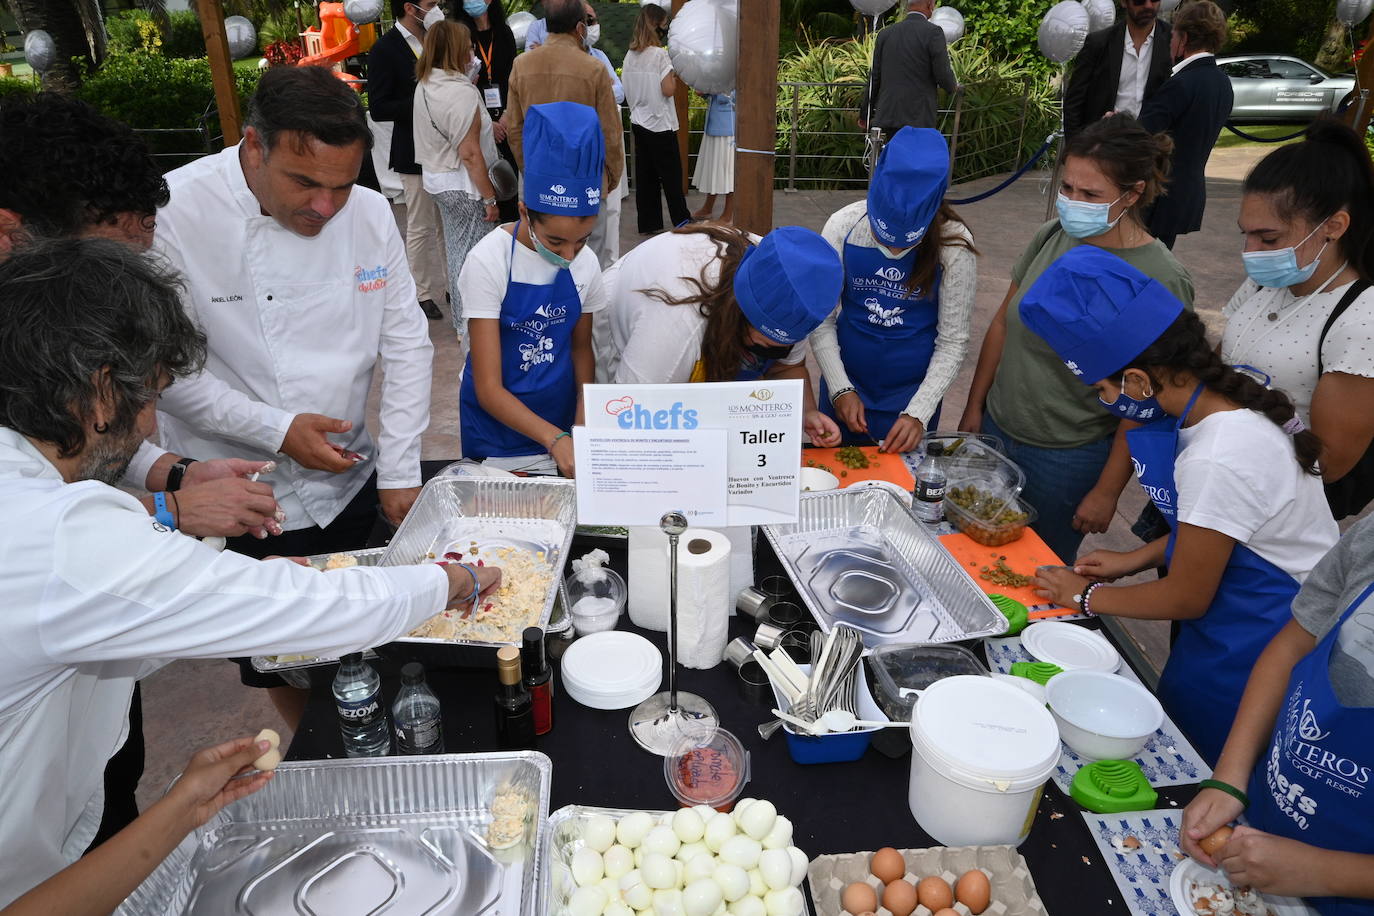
{"x": 454, "y": 146}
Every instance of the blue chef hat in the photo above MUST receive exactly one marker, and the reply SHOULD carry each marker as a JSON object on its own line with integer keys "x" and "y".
{"x": 788, "y": 283}
{"x": 565, "y": 154}
{"x": 1097, "y": 312}
{"x": 908, "y": 185}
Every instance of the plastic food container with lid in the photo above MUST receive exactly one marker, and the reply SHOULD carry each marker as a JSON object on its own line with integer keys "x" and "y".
{"x": 981, "y": 525}
{"x": 595, "y": 599}
{"x": 994, "y": 479}
{"x": 710, "y": 768}
{"x": 901, "y": 670}
{"x": 982, "y": 751}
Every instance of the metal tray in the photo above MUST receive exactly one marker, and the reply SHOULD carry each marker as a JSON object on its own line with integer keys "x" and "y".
{"x": 342, "y": 837}
{"x": 562, "y": 838}
{"x": 858, "y": 556}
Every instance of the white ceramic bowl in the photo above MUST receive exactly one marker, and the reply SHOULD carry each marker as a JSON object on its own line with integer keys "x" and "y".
{"x": 816, "y": 479}
{"x": 1103, "y": 716}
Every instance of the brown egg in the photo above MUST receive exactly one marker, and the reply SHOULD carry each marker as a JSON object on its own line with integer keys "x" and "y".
{"x": 934, "y": 893}
{"x": 973, "y": 890}
{"x": 899, "y": 897}
{"x": 858, "y": 898}
{"x": 887, "y": 865}
{"x": 948, "y": 911}
{"x": 1212, "y": 844}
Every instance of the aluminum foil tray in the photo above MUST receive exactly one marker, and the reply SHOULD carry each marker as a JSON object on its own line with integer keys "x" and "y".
{"x": 394, "y": 835}
{"x": 562, "y": 838}
{"x": 858, "y": 556}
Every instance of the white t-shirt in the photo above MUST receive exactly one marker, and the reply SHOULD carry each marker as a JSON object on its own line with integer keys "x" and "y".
{"x": 644, "y": 340}
{"x": 1236, "y": 473}
{"x": 643, "y": 75}
{"x": 482, "y": 281}
{"x": 1287, "y": 348}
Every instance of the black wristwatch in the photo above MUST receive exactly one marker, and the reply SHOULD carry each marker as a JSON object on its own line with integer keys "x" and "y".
{"x": 176, "y": 473}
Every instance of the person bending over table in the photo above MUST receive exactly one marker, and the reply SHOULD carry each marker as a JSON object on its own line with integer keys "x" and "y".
{"x": 529, "y": 290}
{"x": 1230, "y": 469}
{"x": 892, "y": 348}
{"x": 1068, "y": 444}
{"x": 1303, "y": 744}
{"x": 709, "y": 303}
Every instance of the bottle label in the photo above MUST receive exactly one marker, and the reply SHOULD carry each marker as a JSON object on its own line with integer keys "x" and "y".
{"x": 420, "y": 738}
{"x": 927, "y": 493}
{"x": 359, "y": 713}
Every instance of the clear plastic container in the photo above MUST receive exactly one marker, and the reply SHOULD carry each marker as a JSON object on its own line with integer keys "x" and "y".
{"x": 596, "y": 598}
{"x": 988, "y": 479}
{"x": 708, "y": 769}
{"x": 900, "y": 670}
{"x": 950, "y": 444}
{"x": 991, "y": 527}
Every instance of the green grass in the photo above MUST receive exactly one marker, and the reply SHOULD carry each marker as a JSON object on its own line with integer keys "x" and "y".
{"x": 249, "y": 63}
{"x": 1227, "y": 140}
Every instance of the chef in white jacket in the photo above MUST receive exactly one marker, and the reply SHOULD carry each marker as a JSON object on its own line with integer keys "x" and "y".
{"x": 97, "y": 594}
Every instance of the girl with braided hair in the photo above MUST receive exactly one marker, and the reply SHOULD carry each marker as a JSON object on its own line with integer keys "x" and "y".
{"x": 1228, "y": 464}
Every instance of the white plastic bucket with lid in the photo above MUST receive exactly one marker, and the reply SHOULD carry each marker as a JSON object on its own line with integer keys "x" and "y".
{"x": 982, "y": 751}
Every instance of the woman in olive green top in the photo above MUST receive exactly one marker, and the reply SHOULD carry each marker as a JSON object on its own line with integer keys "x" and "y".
{"x": 1053, "y": 426}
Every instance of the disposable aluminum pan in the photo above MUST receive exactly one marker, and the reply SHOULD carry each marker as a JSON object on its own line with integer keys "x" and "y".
{"x": 858, "y": 556}
{"x": 370, "y": 835}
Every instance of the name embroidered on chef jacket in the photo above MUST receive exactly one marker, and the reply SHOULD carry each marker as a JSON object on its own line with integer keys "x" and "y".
{"x": 370, "y": 280}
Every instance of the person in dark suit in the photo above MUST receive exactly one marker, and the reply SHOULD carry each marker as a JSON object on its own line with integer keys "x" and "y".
{"x": 1191, "y": 106}
{"x": 390, "y": 95}
{"x": 910, "y": 59}
{"x": 1113, "y": 74}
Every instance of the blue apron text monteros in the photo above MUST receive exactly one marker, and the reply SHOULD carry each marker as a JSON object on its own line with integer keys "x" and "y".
{"x": 1211, "y": 660}
{"x": 537, "y": 322}
{"x": 886, "y": 338}
{"x": 1313, "y": 782}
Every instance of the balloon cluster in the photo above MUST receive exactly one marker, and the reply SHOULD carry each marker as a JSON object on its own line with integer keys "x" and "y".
{"x": 243, "y": 38}
{"x": 703, "y": 45}
{"x": 520, "y": 26}
{"x": 1063, "y": 31}
{"x": 1101, "y": 14}
{"x": 951, "y": 21}
{"x": 39, "y": 50}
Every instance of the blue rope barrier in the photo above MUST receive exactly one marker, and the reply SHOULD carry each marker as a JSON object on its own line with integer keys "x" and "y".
{"x": 1254, "y": 139}
{"x": 1030, "y": 164}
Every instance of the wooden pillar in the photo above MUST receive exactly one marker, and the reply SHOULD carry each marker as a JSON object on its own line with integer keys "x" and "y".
{"x": 221, "y": 69}
{"x": 756, "y": 108}
{"x": 681, "y": 102}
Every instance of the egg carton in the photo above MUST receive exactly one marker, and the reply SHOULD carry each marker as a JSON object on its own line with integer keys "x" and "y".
{"x": 1013, "y": 889}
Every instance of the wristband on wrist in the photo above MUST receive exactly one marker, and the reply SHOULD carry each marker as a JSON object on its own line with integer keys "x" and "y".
{"x": 555, "y": 439}
{"x": 843, "y": 391}
{"x": 1087, "y": 599}
{"x": 176, "y": 473}
{"x": 162, "y": 513}
{"x": 1226, "y": 787}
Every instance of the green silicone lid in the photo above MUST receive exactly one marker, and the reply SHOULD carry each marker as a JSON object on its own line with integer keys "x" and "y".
{"x": 1015, "y": 612}
{"x": 1111, "y": 786}
{"x": 1040, "y": 672}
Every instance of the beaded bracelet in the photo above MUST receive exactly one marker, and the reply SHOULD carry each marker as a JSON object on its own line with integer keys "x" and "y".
{"x": 843, "y": 391}
{"x": 1087, "y": 599}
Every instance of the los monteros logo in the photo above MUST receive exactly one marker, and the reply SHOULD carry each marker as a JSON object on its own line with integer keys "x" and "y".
{"x": 895, "y": 274}
{"x": 762, "y": 394}
{"x": 629, "y": 415}
{"x": 370, "y": 280}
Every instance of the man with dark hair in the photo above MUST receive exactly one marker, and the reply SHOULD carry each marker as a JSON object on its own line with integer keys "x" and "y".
{"x": 1120, "y": 67}
{"x": 390, "y": 95}
{"x": 910, "y": 61}
{"x": 300, "y": 283}
{"x": 95, "y": 593}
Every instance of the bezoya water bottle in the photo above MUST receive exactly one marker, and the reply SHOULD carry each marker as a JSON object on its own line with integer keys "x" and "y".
{"x": 419, "y": 725}
{"x": 929, "y": 504}
{"x": 362, "y": 716}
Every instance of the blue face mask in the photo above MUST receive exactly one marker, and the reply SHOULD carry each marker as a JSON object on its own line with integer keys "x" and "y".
{"x": 557, "y": 260}
{"x": 1084, "y": 220}
{"x": 1143, "y": 410}
{"x": 474, "y": 8}
{"x": 1280, "y": 267}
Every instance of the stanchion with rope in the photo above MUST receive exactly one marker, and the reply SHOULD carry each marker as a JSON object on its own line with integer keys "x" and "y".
{"x": 1030, "y": 164}
{"x": 1254, "y": 139}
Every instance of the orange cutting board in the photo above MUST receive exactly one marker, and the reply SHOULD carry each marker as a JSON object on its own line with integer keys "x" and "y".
{"x": 889, "y": 467}
{"x": 1023, "y": 555}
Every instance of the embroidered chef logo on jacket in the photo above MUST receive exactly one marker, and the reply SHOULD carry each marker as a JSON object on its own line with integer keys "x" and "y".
{"x": 884, "y": 317}
{"x": 370, "y": 280}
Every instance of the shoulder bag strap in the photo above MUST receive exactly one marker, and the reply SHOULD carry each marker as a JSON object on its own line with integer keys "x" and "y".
{"x": 1356, "y": 290}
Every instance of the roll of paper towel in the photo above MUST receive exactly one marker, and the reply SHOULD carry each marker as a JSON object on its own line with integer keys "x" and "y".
{"x": 648, "y": 565}
{"x": 703, "y": 597}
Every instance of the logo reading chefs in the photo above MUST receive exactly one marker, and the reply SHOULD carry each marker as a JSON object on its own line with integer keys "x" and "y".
{"x": 557, "y": 196}
{"x": 884, "y": 317}
{"x": 1309, "y": 765}
{"x": 370, "y": 280}
{"x": 629, "y": 415}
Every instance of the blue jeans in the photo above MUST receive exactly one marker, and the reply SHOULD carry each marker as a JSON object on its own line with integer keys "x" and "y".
{"x": 1057, "y": 479}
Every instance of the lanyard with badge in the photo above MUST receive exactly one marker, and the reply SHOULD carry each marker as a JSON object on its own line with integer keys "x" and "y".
{"x": 491, "y": 96}
{"x": 1279, "y": 314}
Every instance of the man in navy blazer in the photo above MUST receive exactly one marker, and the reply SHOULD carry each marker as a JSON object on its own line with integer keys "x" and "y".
{"x": 1113, "y": 74}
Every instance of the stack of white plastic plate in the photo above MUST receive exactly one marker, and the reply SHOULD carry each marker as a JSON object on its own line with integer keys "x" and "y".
{"x": 1070, "y": 646}
{"x": 612, "y": 670}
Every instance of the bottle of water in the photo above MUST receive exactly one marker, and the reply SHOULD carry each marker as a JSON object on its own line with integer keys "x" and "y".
{"x": 929, "y": 504}
{"x": 362, "y": 717}
{"x": 419, "y": 727}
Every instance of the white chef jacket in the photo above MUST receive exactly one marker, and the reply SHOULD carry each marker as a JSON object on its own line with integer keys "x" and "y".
{"x": 96, "y": 594}
{"x": 295, "y": 325}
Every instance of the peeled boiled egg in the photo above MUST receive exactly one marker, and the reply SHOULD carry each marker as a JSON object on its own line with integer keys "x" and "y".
{"x": 587, "y": 867}
{"x": 858, "y": 898}
{"x": 633, "y": 828}
{"x": 748, "y": 905}
{"x": 668, "y": 902}
{"x": 616, "y": 908}
{"x": 900, "y": 897}
{"x": 733, "y": 881}
{"x": 661, "y": 840}
{"x": 887, "y": 865}
{"x": 758, "y": 819}
{"x": 599, "y": 833}
{"x": 776, "y": 868}
{"x": 658, "y": 871}
{"x": 688, "y": 825}
{"x": 780, "y": 837}
{"x": 973, "y": 890}
{"x": 718, "y": 829}
{"x": 743, "y": 851}
{"x": 701, "y": 897}
{"x": 700, "y": 867}
{"x": 635, "y": 892}
{"x": 741, "y": 805}
{"x": 587, "y": 901}
{"x": 617, "y": 861}
{"x": 689, "y": 851}
{"x": 786, "y": 902}
{"x": 799, "y": 863}
{"x": 934, "y": 894}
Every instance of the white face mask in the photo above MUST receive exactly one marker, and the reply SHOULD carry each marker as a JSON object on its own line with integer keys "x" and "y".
{"x": 593, "y": 35}
{"x": 433, "y": 17}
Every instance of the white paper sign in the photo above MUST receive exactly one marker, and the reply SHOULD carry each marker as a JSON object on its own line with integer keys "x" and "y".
{"x": 763, "y": 424}
{"x": 629, "y": 477}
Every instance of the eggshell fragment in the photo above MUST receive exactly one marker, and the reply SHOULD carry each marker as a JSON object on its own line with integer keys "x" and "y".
{"x": 973, "y": 890}
{"x": 934, "y": 894}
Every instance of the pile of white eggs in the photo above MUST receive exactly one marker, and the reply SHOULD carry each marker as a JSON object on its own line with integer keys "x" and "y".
{"x": 691, "y": 862}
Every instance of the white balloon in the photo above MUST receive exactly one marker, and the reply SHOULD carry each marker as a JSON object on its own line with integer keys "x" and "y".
{"x": 39, "y": 50}
{"x": 520, "y": 26}
{"x": 1101, "y": 14}
{"x": 1353, "y": 12}
{"x": 951, "y": 20}
{"x": 361, "y": 12}
{"x": 243, "y": 38}
{"x": 871, "y": 8}
{"x": 1063, "y": 31}
{"x": 703, "y": 45}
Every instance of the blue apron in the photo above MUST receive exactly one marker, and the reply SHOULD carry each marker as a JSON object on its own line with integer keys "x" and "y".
{"x": 886, "y": 339}
{"x": 537, "y": 324}
{"x": 1314, "y": 784}
{"x": 1210, "y": 661}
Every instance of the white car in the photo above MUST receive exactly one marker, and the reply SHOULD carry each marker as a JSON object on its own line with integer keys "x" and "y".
{"x": 1277, "y": 87}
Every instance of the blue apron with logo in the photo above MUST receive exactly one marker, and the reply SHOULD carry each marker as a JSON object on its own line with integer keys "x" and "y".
{"x": 537, "y": 324}
{"x": 1314, "y": 783}
{"x": 1210, "y": 661}
{"x": 886, "y": 339}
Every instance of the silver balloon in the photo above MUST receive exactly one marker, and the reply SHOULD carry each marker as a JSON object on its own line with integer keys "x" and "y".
{"x": 1063, "y": 31}
{"x": 703, "y": 44}
{"x": 243, "y": 38}
{"x": 1101, "y": 14}
{"x": 871, "y": 8}
{"x": 39, "y": 50}
{"x": 1353, "y": 12}
{"x": 951, "y": 20}
{"x": 520, "y": 26}
{"x": 361, "y": 12}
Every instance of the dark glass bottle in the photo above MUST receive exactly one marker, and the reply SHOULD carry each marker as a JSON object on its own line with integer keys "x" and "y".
{"x": 538, "y": 679}
{"x": 514, "y": 709}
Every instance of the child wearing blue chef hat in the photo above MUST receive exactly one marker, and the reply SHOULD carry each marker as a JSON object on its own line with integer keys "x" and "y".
{"x": 1223, "y": 460}
{"x": 529, "y": 290}
{"x": 709, "y": 303}
{"x": 897, "y": 339}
